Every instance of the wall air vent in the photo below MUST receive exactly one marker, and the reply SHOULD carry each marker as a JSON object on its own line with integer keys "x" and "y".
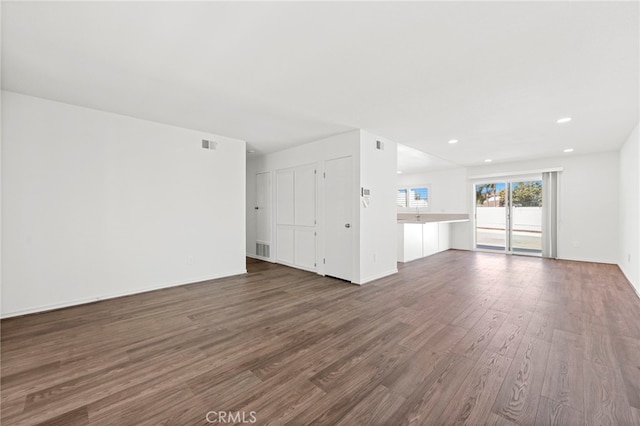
{"x": 206, "y": 144}
{"x": 380, "y": 145}
{"x": 262, "y": 249}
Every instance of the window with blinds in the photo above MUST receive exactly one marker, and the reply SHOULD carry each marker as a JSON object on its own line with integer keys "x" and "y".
{"x": 418, "y": 197}
{"x": 401, "y": 198}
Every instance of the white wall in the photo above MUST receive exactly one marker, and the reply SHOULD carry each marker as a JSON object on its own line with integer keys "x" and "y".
{"x": 588, "y": 220}
{"x": 97, "y": 205}
{"x": 629, "y": 226}
{"x": 1, "y": 184}
{"x": 447, "y": 188}
{"x": 378, "y": 221}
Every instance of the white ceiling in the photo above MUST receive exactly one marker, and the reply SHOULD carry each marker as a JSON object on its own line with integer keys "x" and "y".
{"x": 493, "y": 75}
{"x": 411, "y": 160}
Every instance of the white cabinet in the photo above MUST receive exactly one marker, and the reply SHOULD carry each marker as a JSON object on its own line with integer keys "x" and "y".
{"x": 429, "y": 239}
{"x": 409, "y": 241}
{"x": 444, "y": 230}
{"x": 416, "y": 240}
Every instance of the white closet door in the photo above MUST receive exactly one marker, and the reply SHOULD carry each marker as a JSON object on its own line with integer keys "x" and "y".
{"x": 305, "y": 248}
{"x": 305, "y": 196}
{"x": 296, "y": 216}
{"x": 285, "y": 197}
{"x": 286, "y": 245}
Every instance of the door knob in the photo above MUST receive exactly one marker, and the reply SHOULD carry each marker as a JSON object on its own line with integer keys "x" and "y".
{"x": 256, "y": 207}
{"x": 347, "y": 225}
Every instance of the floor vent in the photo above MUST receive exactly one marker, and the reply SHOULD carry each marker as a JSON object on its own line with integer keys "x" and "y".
{"x": 262, "y": 249}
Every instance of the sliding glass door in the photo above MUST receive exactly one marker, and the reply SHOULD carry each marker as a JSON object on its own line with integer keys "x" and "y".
{"x": 508, "y": 216}
{"x": 526, "y": 217}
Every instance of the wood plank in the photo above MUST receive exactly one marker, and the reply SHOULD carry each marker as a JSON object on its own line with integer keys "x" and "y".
{"x": 563, "y": 381}
{"x": 431, "y": 397}
{"x": 391, "y": 337}
{"x": 519, "y": 395}
{"x": 472, "y": 402}
{"x": 476, "y": 310}
{"x": 152, "y": 409}
{"x": 276, "y": 401}
{"x": 603, "y": 402}
{"x": 627, "y": 351}
{"x": 79, "y": 416}
{"x": 598, "y": 347}
{"x": 473, "y": 344}
{"x": 361, "y": 380}
{"x": 541, "y": 326}
{"x": 507, "y": 339}
{"x": 552, "y": 413}
{"x": 497, "y": 420}
{"x": 413, "y": 372}
{"x": 375, "y": 408}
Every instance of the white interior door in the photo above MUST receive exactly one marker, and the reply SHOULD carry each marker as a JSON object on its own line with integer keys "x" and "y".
{"x": 263, "y": 213}
{"x": 338, "y": 214}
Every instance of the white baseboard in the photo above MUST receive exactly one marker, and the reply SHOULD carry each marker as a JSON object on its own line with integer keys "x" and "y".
{"x": 83, "y": 301}
{"x": 590, "y": 260}
{"x": 635, "y": 290}
{"x": 633, "y": 287}
{"x": 377, "y": 276}
{"x": 255, "y": 256}
{"x": 291, "y": 265}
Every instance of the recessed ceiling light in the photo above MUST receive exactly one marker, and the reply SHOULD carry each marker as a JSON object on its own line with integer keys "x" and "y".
{"x": 399, "y": 172}
{"x": 452, "y": 141}
{"x": 568, "y": 150}
{"x": 488, "y": 160}
{"x": 563, "y": 120}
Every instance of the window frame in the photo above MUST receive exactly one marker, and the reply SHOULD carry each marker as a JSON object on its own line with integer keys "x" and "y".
{"x": 408, "y": 189}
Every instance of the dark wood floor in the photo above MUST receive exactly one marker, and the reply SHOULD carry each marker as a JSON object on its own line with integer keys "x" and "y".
{"x": 459, "y": 337}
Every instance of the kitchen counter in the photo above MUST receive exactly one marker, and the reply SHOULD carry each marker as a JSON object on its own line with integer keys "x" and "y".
{"x": 421, "y": 235}
{"x": 432, "y": 217}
